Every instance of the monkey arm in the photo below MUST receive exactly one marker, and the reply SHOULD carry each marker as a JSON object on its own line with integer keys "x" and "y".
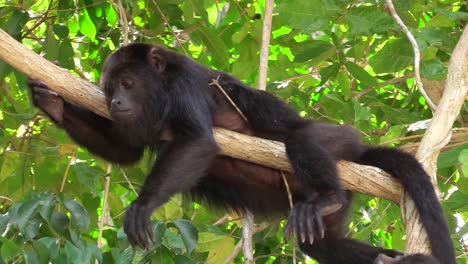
{"x": 97, "y": 134}
{"x": 88, "y": 129}
{"x": 180, "y": 164}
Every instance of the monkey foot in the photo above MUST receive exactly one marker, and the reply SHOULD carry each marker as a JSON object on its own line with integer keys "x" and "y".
{"x": 306, "y": 221}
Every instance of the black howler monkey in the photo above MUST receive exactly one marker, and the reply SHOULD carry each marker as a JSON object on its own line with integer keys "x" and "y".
{"x": 149, "y": 89}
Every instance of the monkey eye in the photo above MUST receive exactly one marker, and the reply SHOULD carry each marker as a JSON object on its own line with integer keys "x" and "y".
{"x": 126, "y": 84}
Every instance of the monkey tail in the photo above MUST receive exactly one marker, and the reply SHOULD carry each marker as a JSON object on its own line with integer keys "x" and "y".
{"x": 416, "y": 182}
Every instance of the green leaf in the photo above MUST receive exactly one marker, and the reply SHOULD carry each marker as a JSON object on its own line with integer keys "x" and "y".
{"x": 42, "y": 252}
{"x": 51, "y": 46}
{"x": 360, "y": 112}
{"x": 315, "y": 50}
{"x": 361, "y": 75}
{"x": 309, "y": 16}
{"x": 365, "y": 20}
{"x": 25, "y": 212}
{"x": 393, "y": 132}
{"x": 87, "y": 26}
{"x": 395, "y": 56}
{"x": 450, "y": 157}
{"x": 159, "y": 230}
{"x": 47, "y": 203}
{"x": 59, "y": 222}
{"x": 244, "y": 66}
{"x": 344, "y": 83}
{"x": 215, "y": 46}
{"x": 30, "y": 257}
{"x": 111, "y": 15}
{"x": 9, "y": 249}
{"x": 173, "y": 241}
{"x": 188, "y": 232}
{"x": 238, "y": 36}
{"x": 327, "y": 72}
{"x": 16, "y": 23}
{"x": 433, "y": 69}
{"x": 79, "y": 214}
{"x": 61, "y": 31}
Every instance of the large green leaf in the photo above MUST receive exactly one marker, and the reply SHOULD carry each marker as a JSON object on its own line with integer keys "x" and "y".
{"x": 361, "y": 75}
{"x": 188, "y": 232}
{"x": 365, "y": 20}
{"x": 396, "y": 55}
{"x": 310, "y": 16}
{"x": 78, "y": 213}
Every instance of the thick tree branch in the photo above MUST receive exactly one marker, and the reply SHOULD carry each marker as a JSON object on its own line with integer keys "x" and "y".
{"x": 355, "y": 177}
{"x": 437, "y": 135}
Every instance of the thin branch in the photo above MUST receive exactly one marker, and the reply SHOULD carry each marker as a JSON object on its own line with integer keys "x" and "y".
{"x": 417, "y": 54}
{"x": 247, "y": 236}
{"x": 265, "y": 48}
{"x": 104, "y": 205}
{"x": 391, "y": 81}
{"x": 170, "y": 27}
{"x": 215, "y": 82}
{"x": 128, "y": 181}
{"x": 65, "y": 175}
{"x": 6, "y": 198}
{"x": 288, "y": 190}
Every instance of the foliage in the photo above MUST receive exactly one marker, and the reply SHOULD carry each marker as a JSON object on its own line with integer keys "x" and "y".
{"x": 345, "y": 62}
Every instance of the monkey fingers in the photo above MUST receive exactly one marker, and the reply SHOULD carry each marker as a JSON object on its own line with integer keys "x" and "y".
{"x": 306, "y": 221}
{"x": 137, "y": 225}
{"x": 40, "y": 87}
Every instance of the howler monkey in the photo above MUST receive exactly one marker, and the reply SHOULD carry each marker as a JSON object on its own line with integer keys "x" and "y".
{"x": 149, "y": 89}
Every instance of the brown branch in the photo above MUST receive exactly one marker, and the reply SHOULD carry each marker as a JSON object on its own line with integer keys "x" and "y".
{"x": 391, "y": 81}
{"x": 437, "y": 135}
{"x": 417, "y": 54}
{"x": 269, "y": 153}
{"x": 265, "y": 48}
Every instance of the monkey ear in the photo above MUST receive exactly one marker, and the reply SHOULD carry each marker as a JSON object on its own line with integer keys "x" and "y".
{"x": 155, "y": 58}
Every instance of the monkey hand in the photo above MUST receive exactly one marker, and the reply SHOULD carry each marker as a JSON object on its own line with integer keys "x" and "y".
{"x": 137, "y": 224}
{"x": 47, "y": 100}
{"x": 306, "y": 221}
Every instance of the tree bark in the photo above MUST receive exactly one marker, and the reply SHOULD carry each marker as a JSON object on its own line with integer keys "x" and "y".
{"x": 437, "y": 135}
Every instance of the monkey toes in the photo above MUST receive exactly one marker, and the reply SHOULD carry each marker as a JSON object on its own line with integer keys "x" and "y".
{"x": 306, "y": 221}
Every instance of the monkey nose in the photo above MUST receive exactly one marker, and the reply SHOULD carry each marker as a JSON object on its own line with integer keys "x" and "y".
{"x": 116, "y": 102}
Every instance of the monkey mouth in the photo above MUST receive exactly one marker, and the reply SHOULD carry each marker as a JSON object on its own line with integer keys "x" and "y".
{"x": 121, "y": 111}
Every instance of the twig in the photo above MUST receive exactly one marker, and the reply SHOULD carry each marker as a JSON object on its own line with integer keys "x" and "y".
{"x": 247, "y": 236}
{"x": 417, "y": 54}
{"x": 6, "y": 198}
{"x": 290, "y": 206}
{"x": 215, "y": 82}
{"x": 170, "y": 27}
{"x": 128, "y": 181}
{"x": 391, "y": 81}
{"x": 265, "y": 48}
{"x": 65, "y": 175}
{"x": 104, "y": 206}
{"x": 123, "y": 20}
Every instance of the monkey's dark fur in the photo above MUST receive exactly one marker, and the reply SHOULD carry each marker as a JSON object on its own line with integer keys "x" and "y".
{"x": 149, "y": 89}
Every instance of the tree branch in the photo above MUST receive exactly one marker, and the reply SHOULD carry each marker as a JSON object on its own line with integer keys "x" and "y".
{"x": 417, "y": 53}
{"x": 437, "y": 135}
